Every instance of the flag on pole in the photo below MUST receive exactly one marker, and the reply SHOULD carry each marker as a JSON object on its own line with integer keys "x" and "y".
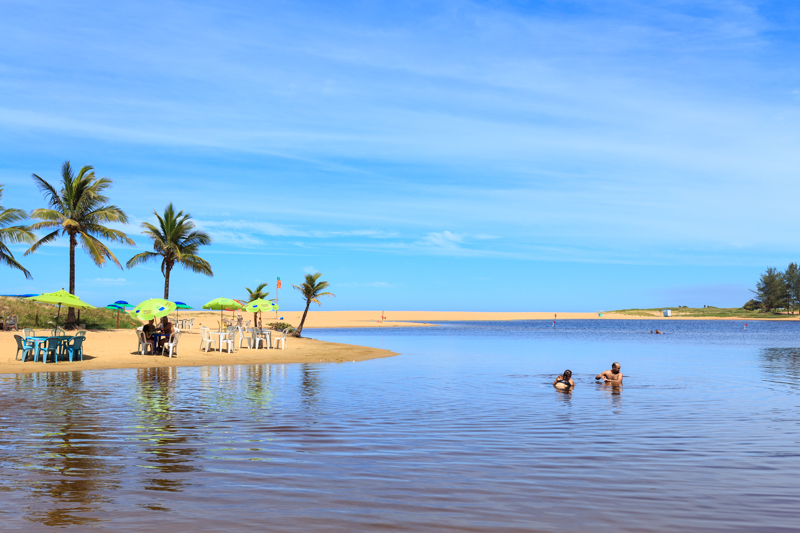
{"x": 279, "y": 283}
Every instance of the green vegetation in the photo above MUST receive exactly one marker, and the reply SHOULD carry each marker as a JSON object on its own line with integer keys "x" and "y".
{"x": 702, "y": 312}
{"x": 79, "y": 211}
{"x": 778, "y": 290}
{"x": 280, "y": 326}
{"x": 95, "y": 319}
{"x": 175, "y": 242}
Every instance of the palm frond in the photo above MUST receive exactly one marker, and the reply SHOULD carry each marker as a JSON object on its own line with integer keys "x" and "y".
{"x": 50, "y": 237}
{"x": 7, "y": 258}
{"x": 141, "y": 258}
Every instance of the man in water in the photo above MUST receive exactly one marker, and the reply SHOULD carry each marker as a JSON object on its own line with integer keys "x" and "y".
{"x": 613, "y": 376}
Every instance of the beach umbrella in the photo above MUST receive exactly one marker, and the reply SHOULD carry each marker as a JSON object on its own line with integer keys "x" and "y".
{"x": 118, "y": 307}
{"x": 222, "y": 304}
{"x": 60, "y": 298}
{"x": 181, "y": 305}
{"x": 152, "y": 308}
{"x": 256, "y": 306}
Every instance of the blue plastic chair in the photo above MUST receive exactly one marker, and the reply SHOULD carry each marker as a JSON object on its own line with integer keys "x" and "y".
{"x": 50, "y": 345}
{"x": 75, "y": 346}
{"x": 24, "y": 347}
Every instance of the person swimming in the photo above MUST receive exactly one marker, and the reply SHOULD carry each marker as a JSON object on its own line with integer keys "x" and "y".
{"x": 613, "y": 376}
{"x": 564, "y": 381}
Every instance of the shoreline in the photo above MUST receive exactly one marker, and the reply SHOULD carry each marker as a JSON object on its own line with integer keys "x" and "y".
{"x": 115, "y": 349}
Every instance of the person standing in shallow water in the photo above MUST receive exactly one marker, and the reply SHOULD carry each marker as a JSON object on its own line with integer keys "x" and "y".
{"x": 613, "y": 376}
{"x": 564, "y": 381}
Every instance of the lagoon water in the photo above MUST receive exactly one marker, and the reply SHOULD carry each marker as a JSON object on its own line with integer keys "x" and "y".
{"x": 462, "y": 432}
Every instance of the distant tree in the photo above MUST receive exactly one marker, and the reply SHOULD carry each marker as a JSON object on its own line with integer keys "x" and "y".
{"x": 13, "y": 234}
{"x": 175, "y": 242}
{"x": 791, "y": 279}
{"x": 257, "y": 294}
{"x": 79, "y": 210}
{"x": 311, "y": 290}
{"x": 771, "y": 289}
{"x": 752, "y": 305}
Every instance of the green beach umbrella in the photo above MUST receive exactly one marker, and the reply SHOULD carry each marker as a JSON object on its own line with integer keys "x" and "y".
{"x": 152, "y": 308}
{"x": 222, "y": 304}
{"x": 118, "y": 306}
{"x": 60, "y": 298}
{"x": 259, "y": 305}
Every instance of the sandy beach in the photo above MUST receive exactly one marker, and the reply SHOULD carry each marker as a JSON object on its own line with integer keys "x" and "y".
{"x": 117, "y": 348}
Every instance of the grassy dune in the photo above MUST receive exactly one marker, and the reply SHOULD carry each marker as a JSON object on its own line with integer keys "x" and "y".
{"x": 706, "y": 312}
{"x": 95, "y": 319}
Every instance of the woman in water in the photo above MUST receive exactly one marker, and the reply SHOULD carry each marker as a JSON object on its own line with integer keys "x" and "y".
{"x": 564, "y": 381}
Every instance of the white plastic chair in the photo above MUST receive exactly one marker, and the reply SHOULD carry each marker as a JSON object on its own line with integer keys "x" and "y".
{"x": 205, "y": 338}
{"x": 172, "y": 343}
{"x": 281, "y": 340}
{"x": 255, "y": 340}
{"x": 191, "y": 323}
{"x": 143, "y": 342}
{"x": 241, "y": 337}
{"x": 228, "y": 340}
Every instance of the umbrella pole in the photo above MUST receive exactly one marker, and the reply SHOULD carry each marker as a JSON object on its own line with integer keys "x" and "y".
{"x": 58, "y": 315}
{"x": 117, "y": 318}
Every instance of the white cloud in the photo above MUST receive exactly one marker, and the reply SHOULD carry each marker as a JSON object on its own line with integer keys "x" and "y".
{"x": 109, "y": 281}
{"x": 310, "y": 270}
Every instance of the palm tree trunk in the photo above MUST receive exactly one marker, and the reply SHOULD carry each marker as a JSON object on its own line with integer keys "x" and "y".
{"x": 303, "y": 320}
{"x": 166, "y": 282}
{"x": 71, "y": 311}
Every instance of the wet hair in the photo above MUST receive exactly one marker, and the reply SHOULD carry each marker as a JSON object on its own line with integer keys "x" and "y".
{"x": 567, "y": 374}
{"x": 615, "y": 364}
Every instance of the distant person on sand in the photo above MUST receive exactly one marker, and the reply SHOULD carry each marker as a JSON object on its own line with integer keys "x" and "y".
{"x": 564, "y": 381}
{"x": 613, "y": 376}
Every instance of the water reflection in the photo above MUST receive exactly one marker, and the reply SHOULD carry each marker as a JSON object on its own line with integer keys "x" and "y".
{"x": 167, "y": 449}
{"x": 781, "y": 367}
{"x": 71, "y": 455}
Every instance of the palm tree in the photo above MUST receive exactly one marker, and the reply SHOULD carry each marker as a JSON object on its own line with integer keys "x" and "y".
{"x": 13, "y": 234}
{"x": 256, "y": 295}
{"x": 176, "y": 243}
{"x": 79, "y": 211}
{"x": 311, "y": 291}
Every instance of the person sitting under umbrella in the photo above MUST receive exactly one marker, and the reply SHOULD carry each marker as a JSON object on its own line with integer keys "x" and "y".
{"x": 148, "y": 330}
{"x": 167, "y": 329}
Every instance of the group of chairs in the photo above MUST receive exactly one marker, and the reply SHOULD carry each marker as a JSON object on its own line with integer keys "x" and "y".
{"x": 185, "y": 323}
{"x": 57, "y": 344}
{"x": 236, "y": 335}
{"x": 149, "y": 346}
{"x": 9, "y": 323}
{"x": 235, "y": 322}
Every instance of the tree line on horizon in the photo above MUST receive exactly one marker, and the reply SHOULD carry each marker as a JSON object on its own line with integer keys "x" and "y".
{"x": 80, "y": 211}
{"x": 777, "y": 290}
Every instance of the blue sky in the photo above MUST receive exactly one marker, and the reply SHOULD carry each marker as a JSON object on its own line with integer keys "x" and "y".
{"x": 450, "y": 155}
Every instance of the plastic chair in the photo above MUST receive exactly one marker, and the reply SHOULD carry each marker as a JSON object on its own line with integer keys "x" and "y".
{"x": 49, "y": 346}
{"x": 266, "y": 337}
{"x": 172, "y": 343}
{"x": 57, "y": 332}
{"x": 81, "y": 333}
{"x": 24, "y": 347}
{"x": 228, "y": 340}
{"x": 75, "y": 347}
{"x": 28, "y": 332}
{"x": 191, "y": 323}
{"x": 205, "y": 338}
{"x": 281, "y": 340}
{"x": 255, "y": 340}
{"x": 143, "y": 342}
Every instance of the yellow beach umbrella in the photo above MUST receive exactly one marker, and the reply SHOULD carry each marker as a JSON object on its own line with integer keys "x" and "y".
{"x": 60, "y": 298}
{"x": 152, "y": 309}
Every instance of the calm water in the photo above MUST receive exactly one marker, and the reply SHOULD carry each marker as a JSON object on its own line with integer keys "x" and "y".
{"x": 463, "y": 432}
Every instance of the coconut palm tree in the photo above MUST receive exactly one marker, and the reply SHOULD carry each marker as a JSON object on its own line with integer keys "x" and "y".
{"x": 13, "y": 234}
{"x": 311, "y": 291}
{"x": 257, "y": 294}
{"x": 175, "y": 242}
{"x": 79, "y": 211}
